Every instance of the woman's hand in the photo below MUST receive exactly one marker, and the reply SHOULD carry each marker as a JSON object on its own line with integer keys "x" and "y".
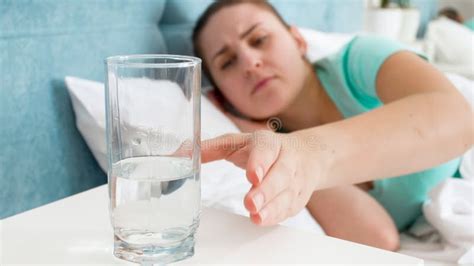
{"x": 245, "y": 125}
{"x": 275, "y": 165}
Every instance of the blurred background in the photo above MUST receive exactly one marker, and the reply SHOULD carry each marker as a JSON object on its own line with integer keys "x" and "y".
{"x": 441, "y": 29}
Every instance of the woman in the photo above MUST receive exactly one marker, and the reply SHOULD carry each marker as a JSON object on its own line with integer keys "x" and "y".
{"x": 372, "y": 111}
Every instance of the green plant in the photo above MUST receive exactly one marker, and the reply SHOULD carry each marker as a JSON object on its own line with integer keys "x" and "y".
{"x": 400, "y": 3}
{"x": 404, "y": 3}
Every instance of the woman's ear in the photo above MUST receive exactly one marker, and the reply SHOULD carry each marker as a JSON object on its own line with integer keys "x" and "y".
{"x": 300, "y": 41}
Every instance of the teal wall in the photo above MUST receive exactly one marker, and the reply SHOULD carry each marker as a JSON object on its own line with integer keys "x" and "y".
{"x": 42, "y": 155}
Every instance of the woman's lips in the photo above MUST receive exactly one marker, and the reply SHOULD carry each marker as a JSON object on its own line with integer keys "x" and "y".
{"x": 261, "y": 84}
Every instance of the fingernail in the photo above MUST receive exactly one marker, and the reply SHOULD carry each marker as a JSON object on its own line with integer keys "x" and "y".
{"x": 259, "y": 173}
{"x": 258, "y": 201}
{"x": 255, "y": 218}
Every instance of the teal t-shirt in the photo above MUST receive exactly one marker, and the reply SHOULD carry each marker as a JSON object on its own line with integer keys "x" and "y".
{"x": 349, "y": 77}
{"x": 470, "y": 24}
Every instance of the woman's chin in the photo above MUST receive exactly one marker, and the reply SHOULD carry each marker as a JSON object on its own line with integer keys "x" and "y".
{"x": 265, "y": 112}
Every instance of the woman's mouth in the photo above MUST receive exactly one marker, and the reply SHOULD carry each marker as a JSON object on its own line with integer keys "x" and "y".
{"x": 262, "y": 84}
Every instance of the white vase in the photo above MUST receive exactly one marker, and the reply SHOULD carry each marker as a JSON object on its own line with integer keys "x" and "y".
{"x": 410, "y": 24}
{"x": 384, "y": 21}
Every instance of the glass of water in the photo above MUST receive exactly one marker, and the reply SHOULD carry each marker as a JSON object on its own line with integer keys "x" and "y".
{"x": 153, "y": 146}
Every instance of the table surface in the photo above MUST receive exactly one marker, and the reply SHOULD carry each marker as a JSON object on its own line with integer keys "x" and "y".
{"x": 77, "y": 230}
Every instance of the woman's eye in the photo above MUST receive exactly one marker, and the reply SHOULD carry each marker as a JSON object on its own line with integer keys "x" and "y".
{"x": 228, "y": 63}
{"x": 259, "y": 41}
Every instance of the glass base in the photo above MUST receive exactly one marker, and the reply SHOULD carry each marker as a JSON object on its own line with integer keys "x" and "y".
{"x": 154, "y": 254}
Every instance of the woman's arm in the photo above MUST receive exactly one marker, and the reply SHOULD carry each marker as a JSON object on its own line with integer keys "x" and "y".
{"x": 425, "y": 121}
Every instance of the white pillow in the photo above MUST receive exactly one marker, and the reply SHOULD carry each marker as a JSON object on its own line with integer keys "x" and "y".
{"x": 453, "y": 42}
{"x": 322, "y": 44}
{"x": 223, "y": 185}
{"x": 89, "y": 106}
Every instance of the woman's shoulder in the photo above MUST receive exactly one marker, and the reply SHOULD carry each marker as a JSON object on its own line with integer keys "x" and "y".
{"x": 367, "y": 44}
{"x": 368, "y": 53}
{"x": 362, "y": 50}
{"x": 362, "y": 47}
{"x": 361, "y": 57}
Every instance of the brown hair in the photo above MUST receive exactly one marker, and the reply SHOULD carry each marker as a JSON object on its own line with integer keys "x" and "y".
{"x": 213, "y": 9}
{"x": 450, "y": 13}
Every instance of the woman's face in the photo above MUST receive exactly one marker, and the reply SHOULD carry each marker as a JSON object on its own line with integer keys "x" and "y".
{"x": 255, "y": 61}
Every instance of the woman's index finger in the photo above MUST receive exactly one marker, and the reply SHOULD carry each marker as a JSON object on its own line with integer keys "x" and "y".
{"x": 221, "y": 147}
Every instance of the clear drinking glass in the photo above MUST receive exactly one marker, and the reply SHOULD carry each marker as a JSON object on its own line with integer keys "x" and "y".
{"x": 153, "y": 147}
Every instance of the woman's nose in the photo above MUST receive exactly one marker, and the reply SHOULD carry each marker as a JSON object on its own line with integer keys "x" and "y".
{"x": 252, "y": 61}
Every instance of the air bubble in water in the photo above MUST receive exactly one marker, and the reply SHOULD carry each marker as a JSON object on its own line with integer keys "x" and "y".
{"x": 136, "y": 141}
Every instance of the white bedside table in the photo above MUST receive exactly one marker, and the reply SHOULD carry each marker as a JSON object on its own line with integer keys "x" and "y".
{"x": 77, "y": 230}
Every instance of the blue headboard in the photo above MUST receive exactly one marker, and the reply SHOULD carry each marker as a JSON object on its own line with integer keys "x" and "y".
{"x": 42, "y": 155}
{"x": 325, "y": 15}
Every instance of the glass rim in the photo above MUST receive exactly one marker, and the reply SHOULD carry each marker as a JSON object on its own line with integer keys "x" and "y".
{"x": 178, "y": 61}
